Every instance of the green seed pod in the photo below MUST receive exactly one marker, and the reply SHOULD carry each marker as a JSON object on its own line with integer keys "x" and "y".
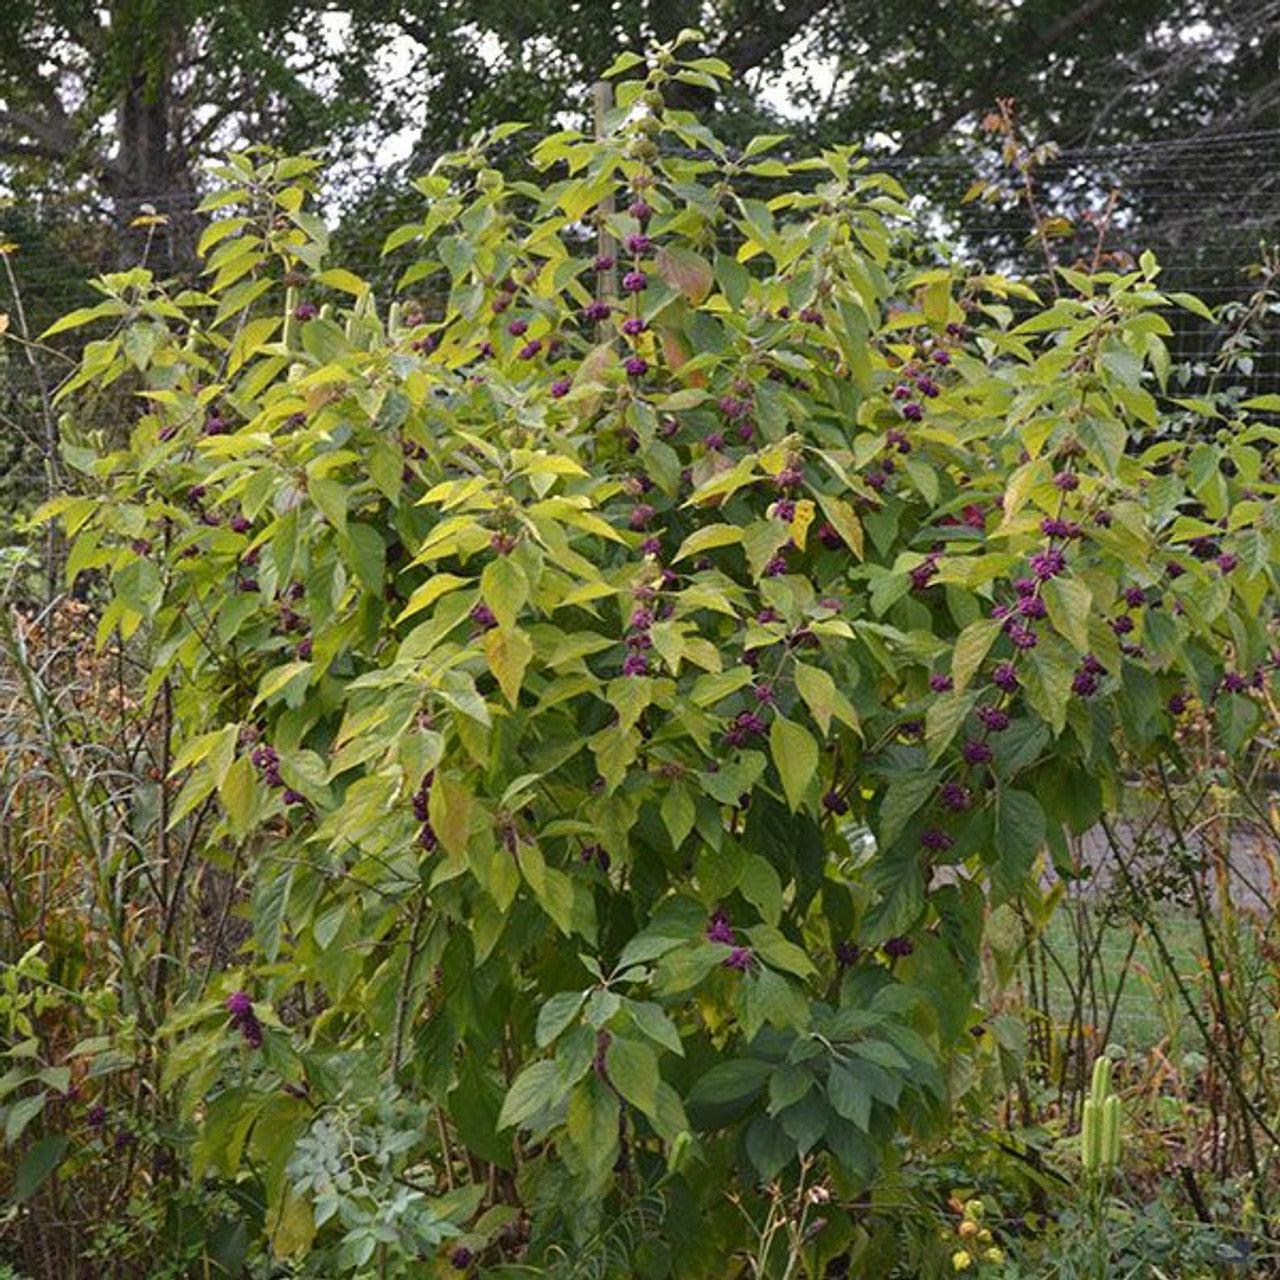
{"x": 1111, "y": 1132}
{"x": 1089, "y": 1136}
{"x": 1101, "y": 1079}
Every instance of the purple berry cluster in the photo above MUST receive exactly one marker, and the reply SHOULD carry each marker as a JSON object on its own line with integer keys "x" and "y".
{"x": 720, "y": 929}
{"x": 243, "y": 1018}
{"x": 267, "y": 762}
{"x": 421, "y": 811}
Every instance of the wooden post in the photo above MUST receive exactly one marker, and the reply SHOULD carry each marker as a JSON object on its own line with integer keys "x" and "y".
{"x": 606, "y": 281}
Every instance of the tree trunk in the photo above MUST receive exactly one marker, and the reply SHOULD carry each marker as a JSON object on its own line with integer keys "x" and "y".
{"x": 150, "y": 173}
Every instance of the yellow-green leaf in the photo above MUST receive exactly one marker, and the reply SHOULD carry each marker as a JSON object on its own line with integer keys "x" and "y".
{"x": 796, "y": 755}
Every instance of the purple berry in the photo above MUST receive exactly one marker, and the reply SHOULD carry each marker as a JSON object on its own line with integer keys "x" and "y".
{"x": 1084, "y": 684}
{"x": 1005, "y": 677}
{"x": 1048, "y": 564}
{"x": 994, "y": 719}
{"x": 718, "y": 928}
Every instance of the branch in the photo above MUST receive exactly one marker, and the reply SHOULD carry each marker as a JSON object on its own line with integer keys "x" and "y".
{"x": 774, "y": 30}
{"x": 758, "y": 35}
{"x": 55, "y": 137}
{"x": 985, "y": 94}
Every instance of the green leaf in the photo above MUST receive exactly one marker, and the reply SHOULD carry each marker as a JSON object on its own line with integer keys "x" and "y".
{"x": 40, "y": 1160}
{"x": 331, "y": 498}
{"x": 1069, "y": 602}
{"x": 774, "y": 949}
{"x": 849, "y": 1094}
{"x": 760, "y": 885}
{"x": 821, "y": 696}
{"x": 556, "y": 1014}
{"x": 903, "y": 799}
{"x": 972, "y": 646}
{"x": 1019, "y": 835}
{"x": 535, "y": 1089}
{"x": 678, "y": 813}
{"x": 946, "y": 714}
{"x": 504, "y": 589}
{"x": 787, "y": 1085}
{"x": 592, "y": 1125}
{"x": 632, "y": 1067}
{"x": 733, "y": 278}
{"x": 730, "y": 1083}
{"x": 21, "y": 1114}
{"x": 796, "y": 755}
{"x": 83, "y": 316}
{"x": 239, "y": 794}
{"x": 653, "y": 1023}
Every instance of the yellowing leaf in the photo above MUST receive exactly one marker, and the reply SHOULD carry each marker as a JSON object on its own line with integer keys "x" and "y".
{"x": 508, "y": 654}
{"x": 704, "y": 539}
{"x": 346, "y": 281}
{"x": 505, "y": 590}
{"x": 796, "y": 755}
{"x": 844, "y": 519}
{"x": 431, "y": 591}
{"x": 686, "y": 272}
{"x": 801, "y": 521}
{"x": 449, "y": 809}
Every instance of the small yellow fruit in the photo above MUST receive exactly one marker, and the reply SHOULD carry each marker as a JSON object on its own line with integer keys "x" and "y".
{"x": 961, "y": 1261}
{"x": 994, "y": 1256}
{"x": 973, "y": 1209}
{"x": 984, "y": 1237}
{"x": 968, "y": 1228}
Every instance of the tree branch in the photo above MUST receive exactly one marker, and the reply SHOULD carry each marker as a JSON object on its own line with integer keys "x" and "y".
{"x": 994, "y": 85}
{"x": 768, "y": 32}
{"x": 56, "y": 138}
